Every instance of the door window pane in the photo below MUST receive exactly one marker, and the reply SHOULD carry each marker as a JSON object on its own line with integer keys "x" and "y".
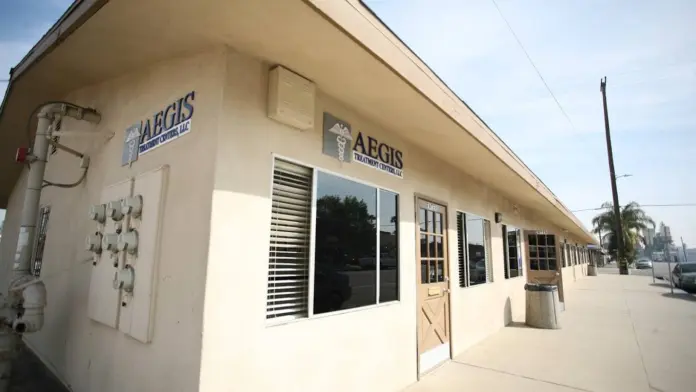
{"x": 431, "y": 222}
{"x": 552, "y": 264}
{"x": 431, "y": 246}
{"x": 532, "y": 239}
{"x": 345, "y": 244}
{"x": 388, "y": 246}
{"x": 422, "y": 218}
{"x": 439, "y": 247}
{"x": 440, "y": 271}
{"x": 424, "y": 245}
{"x": 438, "y": 223}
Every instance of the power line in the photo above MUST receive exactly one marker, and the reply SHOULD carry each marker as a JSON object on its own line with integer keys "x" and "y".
{"x": 534, "y": 65}
{"x": 641, "y": 205}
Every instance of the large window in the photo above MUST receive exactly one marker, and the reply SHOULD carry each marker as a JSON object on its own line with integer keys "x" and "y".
{"x": 512, "y": 252}
{"x": 474, "y": 250}
{"x": 542, "y": 252}
{"x": 355, "y": 261}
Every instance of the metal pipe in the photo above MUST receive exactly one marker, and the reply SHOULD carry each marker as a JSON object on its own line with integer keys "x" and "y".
{"x": 32, "y": 195}
{"x": 23, "y": 307}
{"x": 66, "y": 149}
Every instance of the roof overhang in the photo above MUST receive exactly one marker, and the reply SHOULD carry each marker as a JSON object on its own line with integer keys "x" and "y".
{"x": 379, "y": 77}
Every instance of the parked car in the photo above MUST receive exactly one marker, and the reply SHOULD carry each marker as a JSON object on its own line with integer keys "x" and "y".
{"x": 644, "y": 263}
{"x": 684, "y": 276}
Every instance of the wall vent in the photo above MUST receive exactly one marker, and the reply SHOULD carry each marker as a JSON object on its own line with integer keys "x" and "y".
{"x": 291, "y": 98}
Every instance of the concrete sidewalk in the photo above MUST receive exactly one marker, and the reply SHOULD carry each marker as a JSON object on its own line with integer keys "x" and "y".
{"x": 619, "y": 333}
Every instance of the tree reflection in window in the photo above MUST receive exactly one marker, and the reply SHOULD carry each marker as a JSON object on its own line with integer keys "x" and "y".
{"x": 346, "y": 245}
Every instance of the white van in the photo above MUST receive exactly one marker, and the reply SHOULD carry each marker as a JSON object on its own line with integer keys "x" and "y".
{"x": 661, "y": 268}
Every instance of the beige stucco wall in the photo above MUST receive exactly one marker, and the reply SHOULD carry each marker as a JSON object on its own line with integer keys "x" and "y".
{"x": 378, "y": 345}
{"x": 210, "y": 328}
{"x": 89, "y": 356}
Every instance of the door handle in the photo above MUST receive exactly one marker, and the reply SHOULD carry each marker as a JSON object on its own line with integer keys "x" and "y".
{"x": 444, "y": 291}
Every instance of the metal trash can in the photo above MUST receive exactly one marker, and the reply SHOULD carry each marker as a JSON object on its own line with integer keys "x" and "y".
{"x": 591, "y": 270}
{"x": 543, "y": 306}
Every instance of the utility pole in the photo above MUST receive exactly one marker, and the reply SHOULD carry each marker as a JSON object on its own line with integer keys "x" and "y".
{"x": 623, "y": 264}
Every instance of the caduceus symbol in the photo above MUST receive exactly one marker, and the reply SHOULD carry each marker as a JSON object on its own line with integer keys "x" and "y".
{"x": 343, "y": 136}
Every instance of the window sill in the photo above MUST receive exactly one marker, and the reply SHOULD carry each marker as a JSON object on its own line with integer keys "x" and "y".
{"x": 473, "y": 286}
{"x": 270, "y": 324}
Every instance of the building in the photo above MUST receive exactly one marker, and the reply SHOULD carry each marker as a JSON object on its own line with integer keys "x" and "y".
{"x": 279, "y": 195}
{"x": 665, "y": 231}
{"x": 649, "y": 236}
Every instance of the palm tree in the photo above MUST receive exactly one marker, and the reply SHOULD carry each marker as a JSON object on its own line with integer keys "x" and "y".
{"x": 633, "y": 221}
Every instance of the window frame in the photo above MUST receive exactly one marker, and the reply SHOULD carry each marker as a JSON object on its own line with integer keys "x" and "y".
{"x": 487, "y": 231}
{"x": 506, "y": 251}
{"x": 546, "y": 246}
{"x": 312, "y": 244}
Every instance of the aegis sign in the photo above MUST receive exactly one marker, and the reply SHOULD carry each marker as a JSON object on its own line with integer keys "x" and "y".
{"x": 340, "y": 144}
{"x": 167, "y": 124}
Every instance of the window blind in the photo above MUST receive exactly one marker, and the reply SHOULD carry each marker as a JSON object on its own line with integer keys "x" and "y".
{"x": 461, "y": 244}
{"x": 288, "y": 274}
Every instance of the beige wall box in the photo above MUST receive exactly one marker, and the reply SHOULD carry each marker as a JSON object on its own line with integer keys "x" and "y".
{"x": 291, "y": 98}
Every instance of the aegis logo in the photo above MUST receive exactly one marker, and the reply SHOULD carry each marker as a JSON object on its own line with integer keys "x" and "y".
{"x": 376, "y": 150}
{"x": 338, "y": 143}
{"x": 167, "y": 124}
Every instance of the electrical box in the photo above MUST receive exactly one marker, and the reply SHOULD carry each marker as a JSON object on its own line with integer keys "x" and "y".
{"x": 104, "y": 302}
{"x": 140, "y": 244}
{"x": 291, "y": 98}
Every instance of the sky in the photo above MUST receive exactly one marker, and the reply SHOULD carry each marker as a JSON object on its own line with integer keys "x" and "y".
{"x": 647, "y": 50}
{"x": 22, "y": 24}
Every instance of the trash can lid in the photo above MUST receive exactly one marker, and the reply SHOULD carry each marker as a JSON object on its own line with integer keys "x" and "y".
{"x": 540, "y": 287}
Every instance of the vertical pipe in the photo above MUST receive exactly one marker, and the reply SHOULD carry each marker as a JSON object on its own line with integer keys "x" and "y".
{"x": 35, "y": 293}
{"x": 32, "y": 195}
{"x": 22, "y": 262}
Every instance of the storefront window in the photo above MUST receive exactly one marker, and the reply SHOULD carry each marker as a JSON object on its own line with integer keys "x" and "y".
{"x": 389, "y": 246}
{"x": 513, "y": 255}
{"x": 474, "y": 258}
{"x": 347, "y": 258}
{"x": 356, "y": 244}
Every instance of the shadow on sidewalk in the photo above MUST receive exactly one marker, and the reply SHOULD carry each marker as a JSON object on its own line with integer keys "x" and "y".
{"x": 660, "y": 284}
{"x": 684, "y": 296}
{"x": 517, "y": 324}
